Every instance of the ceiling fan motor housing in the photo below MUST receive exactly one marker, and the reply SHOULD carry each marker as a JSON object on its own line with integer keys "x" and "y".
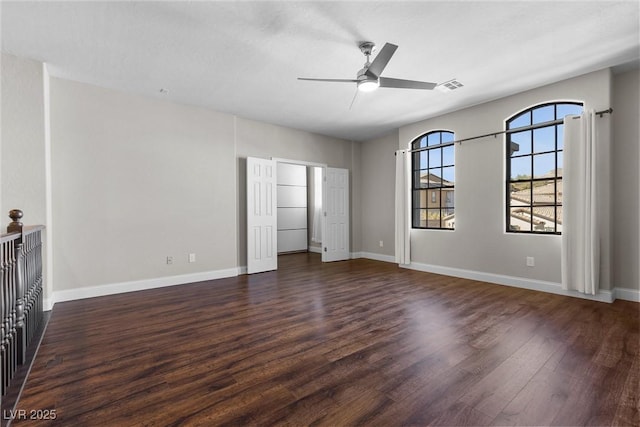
{"x": 367, "y": 47}
{"x": 367, "y": 83}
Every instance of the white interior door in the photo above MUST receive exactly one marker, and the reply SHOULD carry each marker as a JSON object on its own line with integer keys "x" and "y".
{"x": 262, "y": 220}
{"x": 335, "y": 232}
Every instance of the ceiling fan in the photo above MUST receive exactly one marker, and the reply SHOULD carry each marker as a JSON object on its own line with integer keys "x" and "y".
{"x": 369, "y": 79}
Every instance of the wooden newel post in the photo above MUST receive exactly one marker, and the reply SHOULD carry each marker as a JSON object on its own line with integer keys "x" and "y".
{"x": 21, "y": 331}
{"x": 15, "y": 224}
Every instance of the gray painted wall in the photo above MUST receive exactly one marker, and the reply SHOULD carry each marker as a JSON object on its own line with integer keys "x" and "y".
{"x": 625, "y": 180}
{"x": 479, "y": 242}
{"x": 137, "y": 179}
{"x": 258, "y": 139}
{"x": 378, "y": 194}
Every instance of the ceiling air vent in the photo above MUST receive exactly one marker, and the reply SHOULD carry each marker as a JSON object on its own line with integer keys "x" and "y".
{"x": 450, "y": 85}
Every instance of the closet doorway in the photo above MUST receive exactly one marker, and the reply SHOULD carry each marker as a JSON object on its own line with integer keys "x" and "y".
{"x": 281, "y": 213}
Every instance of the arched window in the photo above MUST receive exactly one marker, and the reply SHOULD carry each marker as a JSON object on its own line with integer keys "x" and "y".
{"x": 534, "y": 168}
{"x": 433, "y": 181}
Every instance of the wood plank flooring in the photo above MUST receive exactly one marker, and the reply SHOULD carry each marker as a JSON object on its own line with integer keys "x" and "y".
{"x": 357, "y": 342}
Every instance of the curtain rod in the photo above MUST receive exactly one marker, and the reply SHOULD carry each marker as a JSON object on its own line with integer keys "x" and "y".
{"x": 514, "y": 130}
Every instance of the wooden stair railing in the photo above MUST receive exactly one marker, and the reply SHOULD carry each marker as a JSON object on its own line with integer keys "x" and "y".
{"x": 21, "y": 294}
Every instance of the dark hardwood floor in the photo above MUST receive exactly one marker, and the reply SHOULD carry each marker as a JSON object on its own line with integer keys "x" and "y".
{"x": 357, "y": 342}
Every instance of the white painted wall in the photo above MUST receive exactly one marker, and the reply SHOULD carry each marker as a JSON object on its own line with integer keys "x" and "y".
{"x": 22, "y": 144}
{"x": 479, "y": 242}
{"x": 136, "y": 180}
{"x": 625, "y": 180}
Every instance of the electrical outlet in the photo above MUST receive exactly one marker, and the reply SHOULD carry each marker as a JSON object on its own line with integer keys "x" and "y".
{"x": 381, "y": 243}
{"x": 169, "y": 260}
{"x": 531, "y": 261}
{"x": 192, "y": 257}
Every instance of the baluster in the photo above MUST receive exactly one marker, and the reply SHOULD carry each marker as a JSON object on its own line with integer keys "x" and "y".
{"x": 3, "y": 305}
{"x": 13, "y": 333}
{"x": 20, "y": 327}
{"x": 8, "y": 345}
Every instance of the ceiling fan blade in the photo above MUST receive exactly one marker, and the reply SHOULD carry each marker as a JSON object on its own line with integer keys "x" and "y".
{"x": 381, "y": 60}
{"x": 330, "y": 80}
{"x": 405, "y": 84}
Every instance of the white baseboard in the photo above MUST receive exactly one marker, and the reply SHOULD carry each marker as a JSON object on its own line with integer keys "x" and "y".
{"x": 627, "y": 294}
{"x": 517, "y": 282}
{"x": 376, "y": 257}
{"x": 315, "y": 249}
{"x": 139, "y": 285}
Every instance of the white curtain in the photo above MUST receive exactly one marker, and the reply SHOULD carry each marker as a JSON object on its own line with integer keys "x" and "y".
{"x": 580, "y": 235}
{"x": 316, "y": 194}
{"x": 403, "y": 211}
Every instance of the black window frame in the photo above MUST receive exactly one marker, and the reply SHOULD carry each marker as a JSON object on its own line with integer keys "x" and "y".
{"x": 416, "y": 188}
{"x": 532, "y": 180}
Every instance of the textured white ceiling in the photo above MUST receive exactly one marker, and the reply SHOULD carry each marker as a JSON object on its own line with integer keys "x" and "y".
{"x": 244, "y": 57}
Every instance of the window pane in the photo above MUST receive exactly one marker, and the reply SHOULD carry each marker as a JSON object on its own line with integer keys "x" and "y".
{"x": 521, "y": 168}
{"x": 544, "y": 192}
{"x": 434, "y": 177}
{"x": 544, "y": 139}
{"x": 543, "y": 114}
{"x": 423, "y": 159}
{"x": 433, "y": 138}
{"x": 435, "y": 157}
{"x": 448, "y": 219}
{"x": 520, "y": 194}
{"x": 447, "y": 136}
{"x": 566, "y": 109}
{"x": 447, "y": 198}
{"x": 543, "y": 219}
{"x": 544, "y": 165}
{"x": 523, "y": 139}
{"x": 520, "y": 219}
{"x": 522, "y": 120}
{"x": 424, "y": 198}
{"x": 448, "y": 155}
{"x": 448, "y": 175}
{"x": 560, "y": 136}
{"x": 433, "y": 218}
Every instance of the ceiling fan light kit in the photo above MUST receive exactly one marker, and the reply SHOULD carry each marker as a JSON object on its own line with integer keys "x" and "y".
{"x": 368, "y": 85}
{"x": 368, "y": 78}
